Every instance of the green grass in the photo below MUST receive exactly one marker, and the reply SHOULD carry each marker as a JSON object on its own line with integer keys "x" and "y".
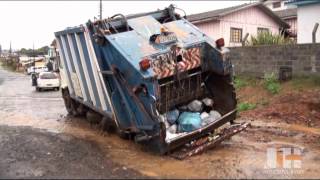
{"x": 244, "y": 106}
{"x": 243, "y": 81}
{"x": 271, "y": 83}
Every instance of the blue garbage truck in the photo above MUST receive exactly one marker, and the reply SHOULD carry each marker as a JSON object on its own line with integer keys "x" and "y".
{"x": 130, "y": 71}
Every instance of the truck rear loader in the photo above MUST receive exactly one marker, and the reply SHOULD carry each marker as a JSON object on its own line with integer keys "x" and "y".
{"x": 134, "y": 70}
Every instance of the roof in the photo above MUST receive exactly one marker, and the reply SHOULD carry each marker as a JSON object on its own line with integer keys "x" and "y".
{"x": 217, "y": 14}
{"x": 287, "y": 13}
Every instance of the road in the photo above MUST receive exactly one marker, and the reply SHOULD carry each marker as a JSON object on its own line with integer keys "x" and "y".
{"x": 38, "y": 139}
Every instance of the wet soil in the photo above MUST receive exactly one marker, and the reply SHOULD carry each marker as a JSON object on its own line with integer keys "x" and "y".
{"x": 42, "y": 116}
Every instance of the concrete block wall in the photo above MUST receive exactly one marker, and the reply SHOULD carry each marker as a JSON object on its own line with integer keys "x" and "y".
{"x": 304, "y": 59}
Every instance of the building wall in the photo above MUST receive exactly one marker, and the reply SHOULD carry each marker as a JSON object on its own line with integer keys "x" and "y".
{"x": 307, "y": 16}
{"x": 249, "y": 20}
{"x": 269, "y": 4}
{"x": 304, "y": 59}
{"x": 211, "y": 29}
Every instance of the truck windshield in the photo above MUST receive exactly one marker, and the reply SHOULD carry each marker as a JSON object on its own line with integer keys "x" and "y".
{"x": 48, "y": 76}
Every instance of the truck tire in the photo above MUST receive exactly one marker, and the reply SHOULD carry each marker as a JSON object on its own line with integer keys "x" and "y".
{"x": 93, "y": 117}
{"x": 67, "y": 100}
{"x": 107, "y": 124}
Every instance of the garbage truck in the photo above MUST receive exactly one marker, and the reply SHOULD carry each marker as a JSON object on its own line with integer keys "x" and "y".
{"x": 154, "y": 77}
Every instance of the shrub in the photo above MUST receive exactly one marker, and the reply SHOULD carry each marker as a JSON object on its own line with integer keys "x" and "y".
{"x": 267, "y": 38}
{"x": 246, "y": 106}
{"x": 271, "y": 83}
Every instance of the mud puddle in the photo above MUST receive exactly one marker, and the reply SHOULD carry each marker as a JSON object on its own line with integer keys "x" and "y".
{"x": 239, "y": 157}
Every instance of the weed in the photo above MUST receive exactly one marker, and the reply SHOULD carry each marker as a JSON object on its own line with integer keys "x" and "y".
{"x": 271, "y": 83}
{"x": 246, "y": 106}
{"x": 239, "y": 83}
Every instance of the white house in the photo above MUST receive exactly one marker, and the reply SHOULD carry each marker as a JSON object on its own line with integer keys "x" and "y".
{"x": 235, "y": 22}
{"x": 308, "y": 15}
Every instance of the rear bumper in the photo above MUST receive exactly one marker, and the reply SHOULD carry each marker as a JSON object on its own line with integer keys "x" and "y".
{"x": 181, "y": 140}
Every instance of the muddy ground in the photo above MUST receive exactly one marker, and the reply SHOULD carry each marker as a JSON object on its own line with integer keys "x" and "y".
{"x": 38, "y": 139}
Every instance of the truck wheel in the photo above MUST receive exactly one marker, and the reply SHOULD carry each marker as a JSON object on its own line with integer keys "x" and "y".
{"x": 67, "y": 100}
{"x": 93, "y": 117}
{"x": 107, "y": 124}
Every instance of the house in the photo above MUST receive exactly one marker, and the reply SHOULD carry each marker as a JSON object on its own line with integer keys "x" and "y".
{"x": 308, "y": 15}
{"x": 235, "y": 22}
{"x": 289, "y": 15}
{"x": 277, "y": 5}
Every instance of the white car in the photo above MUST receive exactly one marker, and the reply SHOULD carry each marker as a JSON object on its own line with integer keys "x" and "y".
{"x": 48, "y": 80}
{"x": 37, "y": 69}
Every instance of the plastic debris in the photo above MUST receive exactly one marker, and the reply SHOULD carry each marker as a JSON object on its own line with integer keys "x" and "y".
{"x": 172, "y": 116}
{"x": 195, "y": 106}
{"x": 189, "y": 121}
{"x": 215, "y": 114}
{"x": 173, "y": 129}
{"x": 204, "y": 115}
{"x": 207, "y": 102}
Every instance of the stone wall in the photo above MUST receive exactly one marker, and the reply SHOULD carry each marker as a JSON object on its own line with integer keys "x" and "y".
{"x": 304, "y": 59}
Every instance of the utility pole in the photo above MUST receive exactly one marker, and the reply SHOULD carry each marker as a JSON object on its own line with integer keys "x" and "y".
{"x": 10, "y": 50}
{"x": 34, "y": 61}
{"x": 100, "y": 9}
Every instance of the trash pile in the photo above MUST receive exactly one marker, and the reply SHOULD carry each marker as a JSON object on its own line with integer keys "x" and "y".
{"x": 190, "y": 117}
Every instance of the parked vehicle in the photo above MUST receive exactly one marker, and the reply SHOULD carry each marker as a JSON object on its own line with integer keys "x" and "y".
{"x": 47, "y": 80}
{"x": 134, "y": 70}
{"x": 37, "y": 69}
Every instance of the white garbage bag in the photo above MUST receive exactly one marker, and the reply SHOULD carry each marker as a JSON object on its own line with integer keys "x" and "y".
{"x": 195, "y": 106}
{"x": 207, "y": 102}
{"x": 204, "y": 115}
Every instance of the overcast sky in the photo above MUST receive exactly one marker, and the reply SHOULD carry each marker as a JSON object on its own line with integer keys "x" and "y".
{"x": 27, "y": 22}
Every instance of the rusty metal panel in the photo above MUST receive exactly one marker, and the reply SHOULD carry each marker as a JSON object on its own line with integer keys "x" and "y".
{"x": 146, "y": 26}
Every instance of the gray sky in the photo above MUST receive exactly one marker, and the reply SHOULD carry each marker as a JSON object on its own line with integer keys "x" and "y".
{"x": 27, "y": 22}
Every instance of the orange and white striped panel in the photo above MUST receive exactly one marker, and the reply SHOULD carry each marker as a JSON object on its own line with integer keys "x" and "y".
{"x": 164, "y": 66}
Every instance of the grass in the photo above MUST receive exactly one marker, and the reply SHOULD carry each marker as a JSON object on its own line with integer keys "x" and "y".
{"x": 271, "y": 83}
{"x": 244, "y": 106}
{"x": 306, "y": 81}
{"x": 243, "y": 81}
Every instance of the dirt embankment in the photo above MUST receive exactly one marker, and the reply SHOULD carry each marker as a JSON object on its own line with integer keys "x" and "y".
{"x": 294, "y": 107}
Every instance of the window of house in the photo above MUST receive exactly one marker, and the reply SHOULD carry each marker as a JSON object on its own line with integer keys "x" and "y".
{"x": 263, "y": 30}
{"x": 235, "y": 35}
{"x": 276, "y": 4}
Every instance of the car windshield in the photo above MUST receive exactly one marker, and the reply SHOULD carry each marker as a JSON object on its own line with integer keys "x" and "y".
{"x": 48, "y": 76}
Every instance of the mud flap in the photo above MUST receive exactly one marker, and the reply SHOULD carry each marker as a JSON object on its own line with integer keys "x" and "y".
{"x": 203, "y": 144}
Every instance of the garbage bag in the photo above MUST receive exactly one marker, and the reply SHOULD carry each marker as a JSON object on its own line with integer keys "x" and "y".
{"x": 207, "y": 102}
{"x": 215, "y": 114}
{"x": 204, "y": 115}
{"x": 173, "y": 129}
{"x": 195, "y": 106}
{"x": 189, "y": 121}
{"x": 172, "y": 116}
